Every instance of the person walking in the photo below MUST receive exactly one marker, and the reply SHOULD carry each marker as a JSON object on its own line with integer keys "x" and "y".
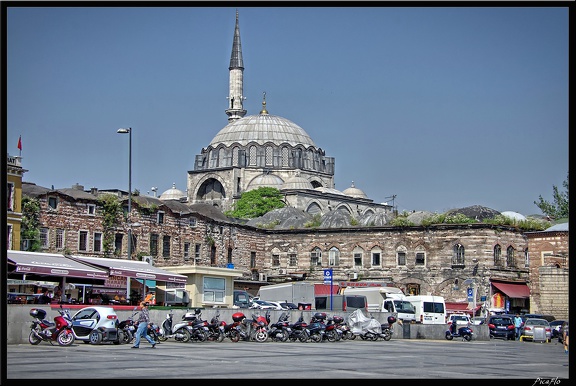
{"x": 565, "y": 336}
{"x": 518, "y": 325}
{"x": 143, "y": 322}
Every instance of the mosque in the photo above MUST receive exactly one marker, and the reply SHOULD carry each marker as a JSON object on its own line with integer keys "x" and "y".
{"x": 266, "y": 150}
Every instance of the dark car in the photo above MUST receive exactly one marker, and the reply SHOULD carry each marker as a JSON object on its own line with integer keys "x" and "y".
{"x": 290, "y": 306}
{"x": 501, "y": 326}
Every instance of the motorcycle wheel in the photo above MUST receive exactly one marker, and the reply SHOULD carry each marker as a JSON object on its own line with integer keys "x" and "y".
{"x": 373, "y": 337}
{"x": 128, "y": 337}
{"x": 449, "y": 336}
{"x": 199, "y": 336}
{"x": 34, "y": 339}
{"x": 162, "y": 336}
{"x": 95, "y": 337}
{"x": 185, "y": 333}
{"x": 121, "y": 338}
{"x": 234, "y": 336}
{"x": 65, "y": 338}
{"x": 220, "y": 337}
{"x": 467, "y": 337}
{"x": 331, "y": 336}
{"x": 316, "y": 338}
{"x": 386, "y": 335}
{"x": 261, "y": 335}
{"x": 304, "y": 337}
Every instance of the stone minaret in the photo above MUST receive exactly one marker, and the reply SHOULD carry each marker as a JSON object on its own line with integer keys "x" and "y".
{"x": 235, "y": 98}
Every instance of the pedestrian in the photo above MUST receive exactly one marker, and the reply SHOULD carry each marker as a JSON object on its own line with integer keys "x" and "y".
{"x": 565, "y": 336}
{"x": 143, "y": 322}
{"x": 518, "y": 325}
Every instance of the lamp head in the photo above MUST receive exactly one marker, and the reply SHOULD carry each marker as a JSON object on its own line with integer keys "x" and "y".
{"x": 124, "y": 131}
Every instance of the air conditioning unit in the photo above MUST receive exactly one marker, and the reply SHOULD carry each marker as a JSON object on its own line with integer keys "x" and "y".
{"x": 282, "y": 271}
{"x": 353, "y": 276}
{"x": 148, "y": 259}
{"x": 262, "y": 277}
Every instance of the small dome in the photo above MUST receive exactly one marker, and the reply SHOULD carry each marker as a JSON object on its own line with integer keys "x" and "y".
{"x": 172, "y": 194}
{"x": 375, "y": 219}
{"x": 266, "y": 180}
{"x": 513, "y": 215}
{"x": 297, "y": 182}
{"x": 354, "y": 192}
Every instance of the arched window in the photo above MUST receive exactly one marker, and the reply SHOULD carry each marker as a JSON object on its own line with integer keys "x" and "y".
{"x": 333, "y": 256}
{"x": 497, "y": 255}
{"x": 510, "y": 257}
{"x": 316, "y": 257}
{"x": 269, "y": 153}
{"x": 401, "y": 256}
{"x": 252, "y": 156}
{"x": 284, "y": 157}
{"x": 358, "y": 254}
{"x": 458, "y": 257}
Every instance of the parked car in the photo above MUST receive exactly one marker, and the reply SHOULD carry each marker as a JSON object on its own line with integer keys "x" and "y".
{"x": 549, "y": 318}
{"x": 501, "y": 326}
{"x": 262, "y": 305}
{"x": 460, "y": 319}
{"x": 531, "y": 328}
{"x": 97, "y": 324}
{"x": 478, "y": 320}
{"x": 289, "y": 306}
{"x": 556, "y": 325}
{"x": 277, "y": 304}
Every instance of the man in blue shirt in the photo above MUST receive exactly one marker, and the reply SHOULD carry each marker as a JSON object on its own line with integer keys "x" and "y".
{"x": 518, "y": 325}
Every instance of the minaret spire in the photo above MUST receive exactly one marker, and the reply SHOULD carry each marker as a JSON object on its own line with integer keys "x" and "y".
{"x": 236, "y": 98}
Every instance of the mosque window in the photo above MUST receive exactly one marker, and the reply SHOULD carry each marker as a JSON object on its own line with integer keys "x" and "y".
{"x": 401, "y": 258}
{"x": 284, "y": 157}
{"x": 269, "y": 153}
{"x": 292, "y": 259}
{"x": 316, "y": 257}
{"x": 333, "y": 256}
{"x": 275, "y": 260}
{"x": 358, "y": 259}
{"x": 235, "y": 152}
{"x": 252, "y": 156}
{"x": 458, "y": 255}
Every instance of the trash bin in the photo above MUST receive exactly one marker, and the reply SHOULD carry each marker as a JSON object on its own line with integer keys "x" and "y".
{"x": 304, "y": 306}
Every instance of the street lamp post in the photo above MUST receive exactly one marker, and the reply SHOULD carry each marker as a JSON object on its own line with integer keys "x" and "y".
{"x": 129, "y": 132}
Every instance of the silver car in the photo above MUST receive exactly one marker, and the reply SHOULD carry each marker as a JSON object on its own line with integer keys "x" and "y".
{"x": 536, "y": 329}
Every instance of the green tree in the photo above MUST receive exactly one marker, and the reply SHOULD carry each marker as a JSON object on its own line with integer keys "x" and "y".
{"x": 256, "y": 203}
{"x": 111, "y": 210}
{"x": 558, "y": 209}
{"x": 30, "y": 226}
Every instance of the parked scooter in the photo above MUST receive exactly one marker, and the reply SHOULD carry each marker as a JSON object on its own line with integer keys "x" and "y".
{"x": 59, "y": 331}
{"x": 216, "y": 328}
{"x": 464, "y": 332}
{"x": 178, "y": 331}
{"x": 343, "y": 328}
{"x": 255, "y": 328}
{"x": 333, "y": 333}
{"x": 234, "y": 331}
{"x": 366, "y": 328}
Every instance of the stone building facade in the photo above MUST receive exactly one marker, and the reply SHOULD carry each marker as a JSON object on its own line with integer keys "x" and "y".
{"x": 14, "y": 173}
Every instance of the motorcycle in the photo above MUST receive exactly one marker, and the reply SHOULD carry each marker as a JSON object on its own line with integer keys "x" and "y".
{"x": 255, "y": 328}
{"x": 278, "y": 331}
{"x": 59, "y": 331}
{"x": 464, "y": 332}
{"x": 387, "y": 328}
{"x": 216, "y": 328}
{"x": 234, "y": 331}
{"x": 333, "y": 333}
{"x": 343, "y": 328}
{"x": 179, "y": 332}
{"x": 366, "y": 328}
{"x": 129, "y": 327}
{"x": 299, "y": 330}
{"x": 197, "y": 327}
{"x": 317, "y": 328}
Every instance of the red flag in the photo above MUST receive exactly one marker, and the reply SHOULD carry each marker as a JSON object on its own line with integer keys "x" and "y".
{"x": 20, "y": 143}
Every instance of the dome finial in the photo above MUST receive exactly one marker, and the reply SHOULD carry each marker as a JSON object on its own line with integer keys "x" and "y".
{"x": 264, "y": 111}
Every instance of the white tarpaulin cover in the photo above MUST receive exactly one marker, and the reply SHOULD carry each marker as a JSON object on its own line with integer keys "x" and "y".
{"x": 360, "y": 323}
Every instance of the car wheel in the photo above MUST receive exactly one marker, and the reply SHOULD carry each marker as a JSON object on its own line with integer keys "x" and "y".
{"x": 95, "y": 337}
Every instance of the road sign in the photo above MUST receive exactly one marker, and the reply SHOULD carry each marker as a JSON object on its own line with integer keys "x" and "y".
{"x": 328, "y": 276}
{"x": 470, "y": 294}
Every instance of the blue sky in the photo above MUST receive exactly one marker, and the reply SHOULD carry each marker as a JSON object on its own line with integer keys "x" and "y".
{"x": 441, "y": 107}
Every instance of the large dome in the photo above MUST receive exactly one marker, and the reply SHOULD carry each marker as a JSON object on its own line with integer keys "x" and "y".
{"x": 262, "y": 128}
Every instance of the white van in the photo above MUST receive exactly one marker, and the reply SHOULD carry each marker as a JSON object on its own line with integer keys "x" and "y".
{"x": 385, "y": 299}
{"x": 428, "y": 309}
